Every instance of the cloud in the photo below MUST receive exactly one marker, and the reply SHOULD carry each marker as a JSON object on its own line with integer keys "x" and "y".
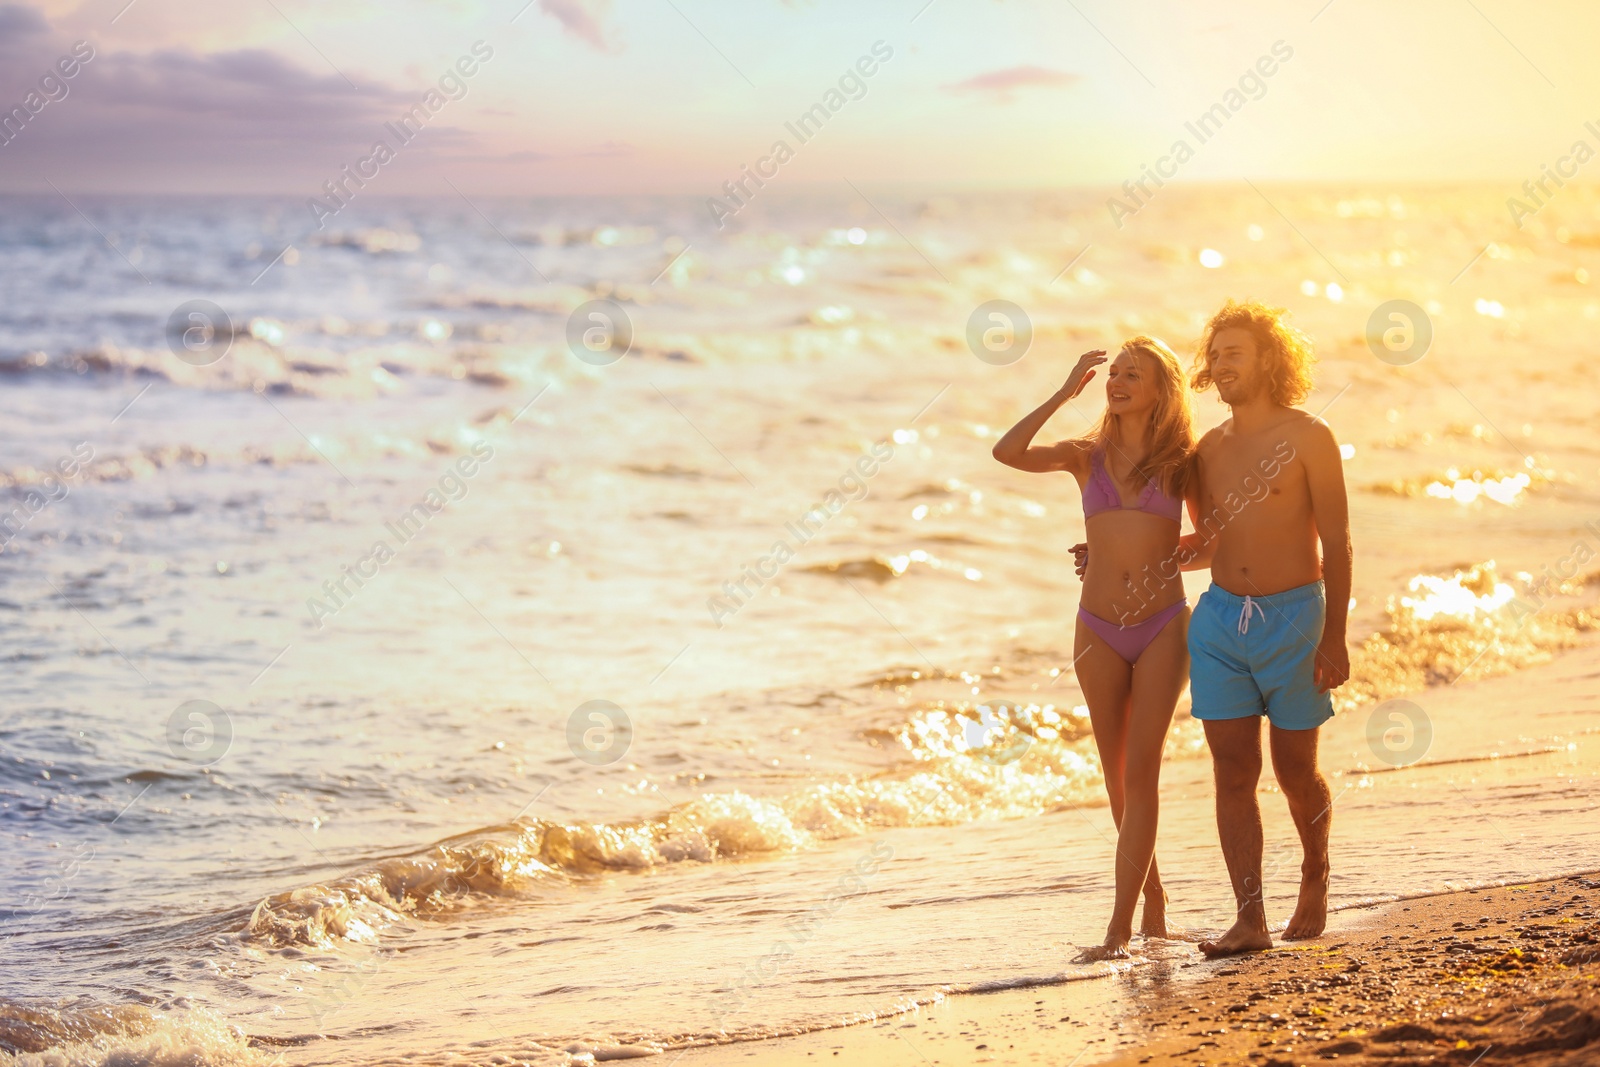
{"x": 17, "y": 20}
{"x": 18, "y": 25}
{"x": 175, "y": 119}
{"x": 999, "y": 85}
{"x": 248, "y": 85}
{"x": 584, "y": 19}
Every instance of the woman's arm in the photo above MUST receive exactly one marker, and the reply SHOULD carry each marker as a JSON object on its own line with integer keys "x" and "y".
{"x": 1016, "y": 448}
{"x": 1196, "y": 550}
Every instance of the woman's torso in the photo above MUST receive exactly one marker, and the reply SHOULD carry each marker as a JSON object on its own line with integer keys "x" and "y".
{"x": 1133, "y": 567}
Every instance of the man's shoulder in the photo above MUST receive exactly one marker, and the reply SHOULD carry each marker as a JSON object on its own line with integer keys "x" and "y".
{"x": 1292, "y": 416}
{"x": 1304, "y": 427}
{"x": 1213, "y": 437}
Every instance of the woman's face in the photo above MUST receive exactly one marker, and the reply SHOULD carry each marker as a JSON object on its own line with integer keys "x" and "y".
{"x": 1131, "y": 386}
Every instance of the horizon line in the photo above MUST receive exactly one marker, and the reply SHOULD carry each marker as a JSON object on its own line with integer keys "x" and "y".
{"x": 814, "y": 186}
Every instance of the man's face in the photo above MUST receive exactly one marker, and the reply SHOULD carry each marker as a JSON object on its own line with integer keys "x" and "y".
{"x": 1236, "y": 365}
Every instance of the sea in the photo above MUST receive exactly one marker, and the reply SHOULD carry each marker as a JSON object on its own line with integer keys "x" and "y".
{"x": 553, "y": 630}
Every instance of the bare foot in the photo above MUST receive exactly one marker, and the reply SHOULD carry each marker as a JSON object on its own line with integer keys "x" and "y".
{"x": 1156, "y": 925}
{"x": 1115, "y": 946}
{"x": 1245, "y": 936}
{"x": 1113, "y": 949}
{"x": 1153, "y": 923}
{"x": 1167, "y": 931}
{"x": 1311, "y": 913}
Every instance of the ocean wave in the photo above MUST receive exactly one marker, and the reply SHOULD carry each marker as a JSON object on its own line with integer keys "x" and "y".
{"x": 949, "y": 487}
{"x": 1469, "y": 487}
{"x": 557, "y": 301}
{"x": 85, "y": 1034}
{"x": 959, "y": 759}
{"x": 665, "y": 470}
{"x": 115, "y": 468}
{"x": 969, "y": 759}
{"x": 426, "y": 444}
{"x": 445, "y": 337}
{"x": 871, "y": 568}
{"x": 377, "y": 240}
{"x": 880, "y": 569}
{"x": 1472, "y": 623}
{"x": 968, "y": 764}
{"x": 264, "y": 355}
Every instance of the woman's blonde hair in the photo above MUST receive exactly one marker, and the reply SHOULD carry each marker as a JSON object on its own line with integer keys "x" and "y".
{"x": 1168, "y": 460}
{"x": 1285, "y": 351}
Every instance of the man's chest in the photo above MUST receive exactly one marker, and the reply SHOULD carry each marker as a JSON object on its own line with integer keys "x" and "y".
{"x": 1262, "y": 470}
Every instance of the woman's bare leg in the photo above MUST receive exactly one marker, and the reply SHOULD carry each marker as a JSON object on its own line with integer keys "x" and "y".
{"x": 1131, "y": 710}
{"x": 1158, "y": 680}
{"x": 1107, "y": 683}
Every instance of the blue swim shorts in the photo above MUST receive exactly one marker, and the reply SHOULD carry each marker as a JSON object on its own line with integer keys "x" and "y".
{"x": 1254, "y": 655}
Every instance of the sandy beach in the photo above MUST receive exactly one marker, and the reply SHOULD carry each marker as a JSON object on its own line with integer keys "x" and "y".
{"x": 1494, "y": 975}
{"x": 1506, "y": 971}
{"x": 1505, "y": 975}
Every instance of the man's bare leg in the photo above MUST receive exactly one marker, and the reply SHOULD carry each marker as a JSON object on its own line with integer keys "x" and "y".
{"x": 1236, "y": 763}
{"x": 1294, "y": 762}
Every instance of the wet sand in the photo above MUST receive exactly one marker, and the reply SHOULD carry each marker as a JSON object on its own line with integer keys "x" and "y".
{"x": 1497, "y": 975}
{"x": 1503, "y": 975}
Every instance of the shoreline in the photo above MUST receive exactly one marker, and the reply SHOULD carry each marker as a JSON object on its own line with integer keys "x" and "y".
{"x": 1507, "y": 973}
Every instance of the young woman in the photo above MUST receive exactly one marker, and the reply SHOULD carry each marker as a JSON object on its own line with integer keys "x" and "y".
{"x": 1131, "y": 656}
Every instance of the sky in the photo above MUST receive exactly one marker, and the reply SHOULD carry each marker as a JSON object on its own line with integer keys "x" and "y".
{"x": 676, "y": 96}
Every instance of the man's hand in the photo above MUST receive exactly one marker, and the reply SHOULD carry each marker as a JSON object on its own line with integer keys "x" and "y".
{"x": 1333, "y": 663}
{"x": 1080, "y": 558}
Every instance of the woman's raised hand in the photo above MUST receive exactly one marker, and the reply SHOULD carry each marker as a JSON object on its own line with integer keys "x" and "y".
{"x": 1081, "y": 374}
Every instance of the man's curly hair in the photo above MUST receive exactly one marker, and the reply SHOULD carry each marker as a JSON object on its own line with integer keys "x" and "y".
{"x": 1285, "y": 351}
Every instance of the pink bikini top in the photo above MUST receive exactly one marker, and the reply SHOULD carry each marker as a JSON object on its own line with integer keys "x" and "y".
{"x": 1101, "y": 494}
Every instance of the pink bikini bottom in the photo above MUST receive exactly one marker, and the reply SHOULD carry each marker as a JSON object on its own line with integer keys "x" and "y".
{"x": 1131, "y": 640}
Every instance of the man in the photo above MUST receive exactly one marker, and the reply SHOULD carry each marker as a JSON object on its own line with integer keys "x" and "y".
{"x": 1268, "y": 637}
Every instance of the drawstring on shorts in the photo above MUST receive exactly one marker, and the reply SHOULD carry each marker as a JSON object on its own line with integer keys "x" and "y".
{"x": 1244, "y": 613}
